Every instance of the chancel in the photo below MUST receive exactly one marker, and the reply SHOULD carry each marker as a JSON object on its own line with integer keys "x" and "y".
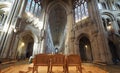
{"x": 75, "y": 35}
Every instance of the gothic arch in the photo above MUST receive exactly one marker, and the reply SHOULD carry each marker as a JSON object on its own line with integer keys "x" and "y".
{"x": 84, "y": 48}
{"x": 66, "y": 10}
{"x": 54, "y": 3}
{"x": 31, "y": 30}
{"x": 78, "y": 37}
{"x": 25, "y": 45}
{"x": 107, "y": 18}
{"x": 112, "y": 17}
{"x": 81, "y": 35}
{"x": 103, "y": 4}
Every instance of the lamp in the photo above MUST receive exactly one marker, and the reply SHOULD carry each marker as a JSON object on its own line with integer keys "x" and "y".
{"x": 16, "y": 29}
{"x": 109, "y": 27}
{"x": 86, "y": 46}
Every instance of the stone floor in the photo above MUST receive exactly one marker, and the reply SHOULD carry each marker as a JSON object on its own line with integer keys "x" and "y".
{"x": 87, "y": 68}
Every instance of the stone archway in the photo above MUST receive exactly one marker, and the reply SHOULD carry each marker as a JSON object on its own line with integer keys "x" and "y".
{"x": 85, "y": 49}
{"x": 114, "y": 52}
{"x": 25, "y": 46}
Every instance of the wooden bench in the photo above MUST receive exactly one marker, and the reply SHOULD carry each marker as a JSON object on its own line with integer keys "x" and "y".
{"x": 58, "y": 60}
{"x": 41, "y": 60}
{"x": 73, "y": 60}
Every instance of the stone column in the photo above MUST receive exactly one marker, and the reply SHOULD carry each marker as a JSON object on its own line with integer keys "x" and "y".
{"x": 22, "y": 9}
{"x": 9, "y": 36}
{"x": 1, "y": 35}
{"x": 35, "y": 48}
{"x": 16, "y": 13}
{"x": 15, "y": 47}
{"x": 95, "y": 49}
{"x": 6, "y": 26}
{"x": 102, "y": 39}
{"x": 43, "y": 44}
{"x": 115, "y": 26}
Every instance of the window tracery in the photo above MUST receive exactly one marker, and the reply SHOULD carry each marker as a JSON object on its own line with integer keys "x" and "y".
{"x": 33, "y": 6}
{"x": 102, "y": 4}
{"x": 117, "y": 6}
{"x": 80, "y": 10}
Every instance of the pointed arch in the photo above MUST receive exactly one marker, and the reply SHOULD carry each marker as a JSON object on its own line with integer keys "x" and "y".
{"x": 112, "y": 17}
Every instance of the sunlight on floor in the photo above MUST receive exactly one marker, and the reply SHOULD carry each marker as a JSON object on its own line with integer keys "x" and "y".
{"x": 43, "y": 69}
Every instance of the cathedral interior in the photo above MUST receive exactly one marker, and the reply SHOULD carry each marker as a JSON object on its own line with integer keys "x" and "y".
{"x": 87, "y": 28}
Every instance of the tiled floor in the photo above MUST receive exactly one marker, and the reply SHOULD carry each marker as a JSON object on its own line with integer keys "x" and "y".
{"x": 87, "y": 68}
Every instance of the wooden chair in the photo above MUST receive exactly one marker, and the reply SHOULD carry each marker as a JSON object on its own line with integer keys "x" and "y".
{"x": 58, "y": 60}
{"x": 41, "y": 60}
{"x": 73, "y": 60}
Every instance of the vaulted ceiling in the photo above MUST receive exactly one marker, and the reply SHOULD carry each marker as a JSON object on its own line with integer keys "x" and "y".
{"x": 57, "y": 21}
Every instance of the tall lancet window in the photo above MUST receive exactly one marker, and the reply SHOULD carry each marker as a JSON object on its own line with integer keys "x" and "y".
{"x": 28, "y": 6}
{"x": 80, "y": 10}
{"x": 99, "y": 5}
{"x": 33, "y": 6}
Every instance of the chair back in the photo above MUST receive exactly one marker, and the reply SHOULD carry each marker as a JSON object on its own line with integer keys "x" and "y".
{"x": 58, "y": 60}
{"x": 73, "y": 60}
{"x": 41, "y": 60}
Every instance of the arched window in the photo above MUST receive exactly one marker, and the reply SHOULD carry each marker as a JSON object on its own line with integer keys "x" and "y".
{"x": 107, "y": 22}
{"x": 117, "y": 6}
{"x": 28, "y": 6}
{"x": 33, "y": 6}
{"x": 80, "y": 10}
{"x": 104, "y": 6}
{"x": 99, "y": 5}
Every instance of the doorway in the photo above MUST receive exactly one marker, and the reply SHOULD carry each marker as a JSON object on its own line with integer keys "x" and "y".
{"x": 25, "y": 47}
{"x": 29, "y": 49}
{"x": 85, "y": 49}
{"x": 114, "y": 53}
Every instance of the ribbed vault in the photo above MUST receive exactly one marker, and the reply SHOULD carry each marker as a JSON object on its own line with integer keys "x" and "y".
{"x": 57, "y": 21}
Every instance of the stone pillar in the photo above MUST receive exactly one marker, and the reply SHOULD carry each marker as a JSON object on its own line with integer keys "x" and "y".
{"x": 95, "y": 49}
{"x": 6, "y": 27}
{"x": 22, "y": 9}
{"x": 103, "y": 42}
{"x": 69, "y": 48}
{"x": 115, "y": 26}
{"x": 76, "y": 47}
{"x": 14, "y": 47}
{"x": 9, "y": 36}
{"x": 35, "y": 48}
{"x": 16, "y": 13}
{"x": 43, "y": 18}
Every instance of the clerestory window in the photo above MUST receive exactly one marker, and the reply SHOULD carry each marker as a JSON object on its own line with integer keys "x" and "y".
{"x": 80, "y": 10}
{"x": 33, "y": 6}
